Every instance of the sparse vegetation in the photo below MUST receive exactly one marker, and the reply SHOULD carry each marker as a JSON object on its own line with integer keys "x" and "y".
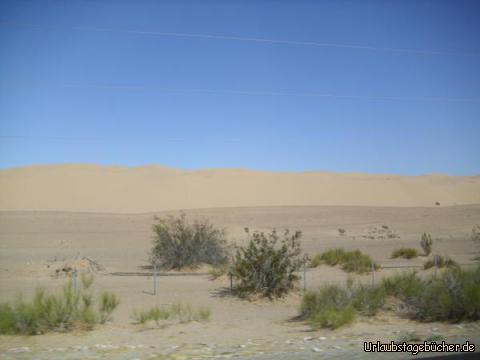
{"x": 108, "y": 302}
{"x": 380, "y": 233}
{"x": 177, "y": 312}
{"x": 218, "y": 271}
{"x": 179, "y": 244}
{"x": 452, "y": 296}
{"x": 56, "y": 312}
{"x": 405, "y": 253}
{"x": 267, "y": 265}
{"x": 426, "y": 243}
{"x": 440, "y": 262}
{"x": 350, "y": 261}
{"x": 333, "y": 306}
{"x": 409, "y": 336}
{"x": 342, "y": 231}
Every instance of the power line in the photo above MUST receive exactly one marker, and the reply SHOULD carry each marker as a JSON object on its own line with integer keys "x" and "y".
{"x": 244, "y": 39}
{"x": 140, "y": 87}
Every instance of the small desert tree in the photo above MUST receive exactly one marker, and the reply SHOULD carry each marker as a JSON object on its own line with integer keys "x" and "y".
{"x": 475, "y": 235}
{"x": 426, "y": 243}
{"x": 267, "y": 265}
{"x": 179, "y": 244}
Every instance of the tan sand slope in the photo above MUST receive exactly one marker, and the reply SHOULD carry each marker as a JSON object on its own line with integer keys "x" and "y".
{"x": 80, "y": 187}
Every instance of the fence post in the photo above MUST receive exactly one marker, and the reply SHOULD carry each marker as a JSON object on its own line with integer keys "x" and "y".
{"x": 74, "y": 281}
{"x": 373, "y": 274}
{"x": 305, "y": 273}
{"x": 155, "y": 279}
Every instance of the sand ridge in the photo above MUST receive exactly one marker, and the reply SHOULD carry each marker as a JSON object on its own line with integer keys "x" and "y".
{"x": 92, "y": 188}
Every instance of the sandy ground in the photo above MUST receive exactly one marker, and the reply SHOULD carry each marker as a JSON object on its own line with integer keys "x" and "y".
{"x": 118, "y": 189}
{"x": 31, "y": 241}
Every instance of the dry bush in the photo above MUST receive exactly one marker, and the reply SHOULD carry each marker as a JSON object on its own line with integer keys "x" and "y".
{"x": 426, "y": 243}
{"x": 405, "y": 253}
{"x": 179, "y": 244}
{"x": 267, "y": 265}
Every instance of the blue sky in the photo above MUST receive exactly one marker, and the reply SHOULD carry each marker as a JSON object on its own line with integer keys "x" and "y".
{"x": 71, "y": 91}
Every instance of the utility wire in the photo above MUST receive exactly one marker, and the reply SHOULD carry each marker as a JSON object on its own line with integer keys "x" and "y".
{"x": 141, "y": 87}
{"x": 241, "y": 38}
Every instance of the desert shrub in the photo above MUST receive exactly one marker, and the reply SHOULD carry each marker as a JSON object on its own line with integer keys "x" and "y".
{"x": 87, "y": 280}
{"x": 332, "y": 318}
{"x": 218, "y": 271}
{"x": 350, "y": 261}
{"x": 342, "y": 231}
{"x": 409, "y": 336}
{"x": 453, "y": 296}
{"x": 316, "y": 261}
{"x": 426, "y": 243}
{"x": 179, "y": 244}
{"x": 267, "y": 265}
{"x": 60, "y": 311}
{"x": 333, "y": 306}
{"x": 108, "y": 302}
{"x": 182, "y": 313}
{"x": 330, "y": 307}
{"x": 441, "y": 261}
{"x": 405, "y": 253}
{"x": 367, "y": 300}
{"x": 403, "y": 286}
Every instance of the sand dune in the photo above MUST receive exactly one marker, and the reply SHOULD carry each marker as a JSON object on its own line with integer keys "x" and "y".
{"x": 79, "y": 187}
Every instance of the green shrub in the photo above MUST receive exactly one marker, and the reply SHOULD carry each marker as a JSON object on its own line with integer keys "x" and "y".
{"x": 54, "y": 312}
{"x": 350, "y": 261}
{"x": 333, "y": 306}
{"x": 316, "y": 261}
{"x": 182, "y": 313}
{"x": 367, "y": 300}
{"x": 267, "y": 265}
{"x": 426, "y": 243}
{"x": 441, "y": 261}
{"x": 87, "y": 280}
{"x": 475, "y": 235}
{"x": 108, "y": 302}
{"x": 218, "y": 271}
{"x": 332, "y": 318}
{"x": 403, "y": 286}
{"x": 405, "y": 253}
{"x": 179, "y": 244}
{"x": 453, "y": 296}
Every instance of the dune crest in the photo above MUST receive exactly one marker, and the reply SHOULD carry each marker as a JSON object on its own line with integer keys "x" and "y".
{"x": 92, "y": 188}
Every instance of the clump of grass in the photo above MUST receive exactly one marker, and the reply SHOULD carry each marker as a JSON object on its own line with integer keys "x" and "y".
{"x": 350, "y": 261}
{"x": 218, "y": 271}
{"x": 440, "y": 261}
{"x": 453, "y": 296}
{"x": 182, "y": 313}
{"x": 333, "y": 306}
{"x": 426, "y": 243}
{"x": 403, "y": 286}
{"x": 87, "y": 280}
{"x": 179, "y": 244}
{"x": 108, "y": 302}
{"x": 409, "y": 336}
{"x": 405, "y": 253}
{"x": 60, "y": 311}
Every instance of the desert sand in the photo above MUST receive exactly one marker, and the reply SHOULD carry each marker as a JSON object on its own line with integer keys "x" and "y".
{"x": 118, "y": 189}
{"x": 55, "y": 214}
